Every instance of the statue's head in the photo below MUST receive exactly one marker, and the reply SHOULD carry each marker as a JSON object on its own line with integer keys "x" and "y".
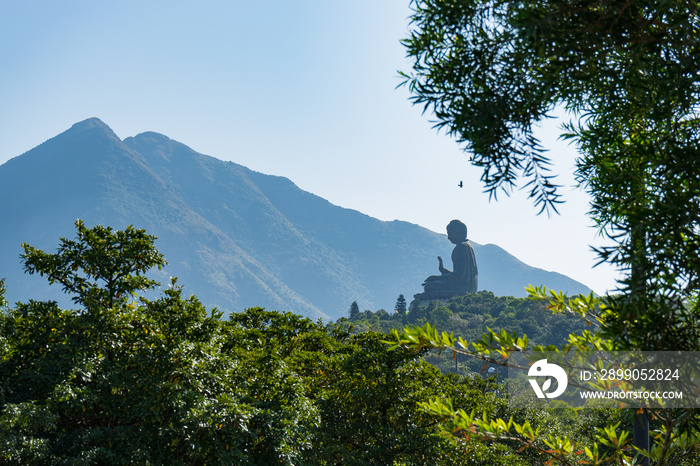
{"x": 457, "y": 231}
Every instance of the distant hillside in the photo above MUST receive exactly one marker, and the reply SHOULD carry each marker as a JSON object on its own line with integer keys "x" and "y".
{"x": 470, "y": 317}
{"x": 234, "y": 237}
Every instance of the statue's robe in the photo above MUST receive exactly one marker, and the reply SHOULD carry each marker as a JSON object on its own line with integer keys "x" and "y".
{"x": 464, "y": 278}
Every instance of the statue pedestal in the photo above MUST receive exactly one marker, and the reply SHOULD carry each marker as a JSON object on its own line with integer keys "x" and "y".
{"x": 439, "y": 295}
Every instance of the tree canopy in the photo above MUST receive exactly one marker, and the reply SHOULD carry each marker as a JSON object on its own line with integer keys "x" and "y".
{"x": 628, "y": 75}
{"x": 101, "y": 267}
{"x": 491, "y": 69}
{"x": 124, "y": 379}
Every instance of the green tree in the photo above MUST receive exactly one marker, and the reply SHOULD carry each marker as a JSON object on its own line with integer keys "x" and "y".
{"x": 164, "y": 381}
{"x": 440, "y": 315}
{"x": 3, "y": 289}
{"x": 490, "y": 70}
{"x": 101, "y": 268}
{"x": 400, "y": 306}
{"x": 628, "y": 73}
{"x": 369, "y": 411}
{"x": 141, "y": 381}
{"x": 354, "y": 310}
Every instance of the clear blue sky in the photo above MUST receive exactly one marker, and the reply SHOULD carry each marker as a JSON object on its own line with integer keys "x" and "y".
{"x": 303, "y": 89}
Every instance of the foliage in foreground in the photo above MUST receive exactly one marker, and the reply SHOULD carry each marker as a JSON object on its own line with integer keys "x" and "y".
{"x": 628, "y": 74}
{"x": 675, "y": 437}
{"x": 129, "y": 380}
{"x": 470, "y": 316}
{"x": 473, "y": 314}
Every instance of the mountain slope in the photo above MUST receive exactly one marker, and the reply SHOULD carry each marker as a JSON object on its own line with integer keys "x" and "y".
{"x": 235, "y": 238}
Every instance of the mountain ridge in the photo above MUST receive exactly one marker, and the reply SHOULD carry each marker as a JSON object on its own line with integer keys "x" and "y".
{"x": 236, "y": 238}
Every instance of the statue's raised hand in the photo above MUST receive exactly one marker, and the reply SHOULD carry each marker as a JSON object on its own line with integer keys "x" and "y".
{"x": 441, "y": 267}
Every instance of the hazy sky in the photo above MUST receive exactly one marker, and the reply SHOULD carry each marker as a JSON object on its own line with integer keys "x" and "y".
{"x": 303, "y": 89}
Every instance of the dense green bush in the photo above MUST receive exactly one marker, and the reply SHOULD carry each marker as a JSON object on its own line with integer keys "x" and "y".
{"x": 471, "y": 315}
{"x": 127, "y": 380}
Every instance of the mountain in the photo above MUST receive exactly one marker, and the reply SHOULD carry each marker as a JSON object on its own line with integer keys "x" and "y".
{"x": 234, "y": 237}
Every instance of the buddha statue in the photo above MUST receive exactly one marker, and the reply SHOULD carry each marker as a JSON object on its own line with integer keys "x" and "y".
{"x": 463, "y": 278}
